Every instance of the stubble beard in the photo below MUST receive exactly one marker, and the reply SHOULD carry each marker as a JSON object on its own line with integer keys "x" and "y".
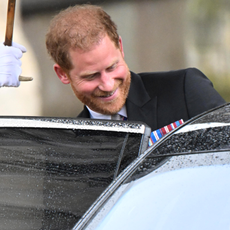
{"x": 110, "y": 107}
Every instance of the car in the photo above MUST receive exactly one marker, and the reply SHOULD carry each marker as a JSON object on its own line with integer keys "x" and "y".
{"x": 181, "y": 182}
{"x": 63, "y": 173}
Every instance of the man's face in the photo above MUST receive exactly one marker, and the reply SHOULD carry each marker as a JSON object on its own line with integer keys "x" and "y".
{"x": 100, "y": 77}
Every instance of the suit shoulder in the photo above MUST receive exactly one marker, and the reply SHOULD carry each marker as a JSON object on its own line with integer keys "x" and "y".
{"x": 168, "y": 81}
{"x": 171, "y": 73}
{"x": 165, "y": 76}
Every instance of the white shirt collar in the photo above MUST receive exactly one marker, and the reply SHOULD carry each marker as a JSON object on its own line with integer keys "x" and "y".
{"x": 95, "y": 115}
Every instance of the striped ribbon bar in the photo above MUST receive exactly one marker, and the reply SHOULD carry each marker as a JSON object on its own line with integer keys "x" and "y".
{"x": 159, "y": 133}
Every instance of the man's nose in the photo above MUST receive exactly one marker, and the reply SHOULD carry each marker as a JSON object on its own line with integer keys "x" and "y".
{"x": 106, "y": 82}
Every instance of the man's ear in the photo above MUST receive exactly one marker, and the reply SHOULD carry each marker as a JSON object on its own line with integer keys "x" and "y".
{"x": 62, "y": 75}
{"x": 121, "y": 46}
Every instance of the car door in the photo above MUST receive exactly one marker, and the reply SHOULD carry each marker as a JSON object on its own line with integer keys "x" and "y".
{"x": 182, "y": 182}
{"x": 53, "y": 169}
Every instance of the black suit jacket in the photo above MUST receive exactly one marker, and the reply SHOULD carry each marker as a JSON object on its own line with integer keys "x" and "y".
{"x": 160, "y": 98}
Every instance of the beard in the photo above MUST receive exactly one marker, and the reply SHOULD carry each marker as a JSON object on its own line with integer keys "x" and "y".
{"x": 106, "y": 107}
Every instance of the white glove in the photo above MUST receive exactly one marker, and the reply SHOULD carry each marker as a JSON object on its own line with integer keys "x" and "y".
{"x": 10, "y": 64}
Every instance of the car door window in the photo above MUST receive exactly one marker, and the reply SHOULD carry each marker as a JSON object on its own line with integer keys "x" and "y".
{"x": 208, "y": 134}
{"x": 50, "y": 176}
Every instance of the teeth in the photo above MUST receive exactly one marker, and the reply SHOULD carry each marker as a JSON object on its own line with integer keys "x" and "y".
{"x": 108, "y": 95}
{"x": 111, "y": 94}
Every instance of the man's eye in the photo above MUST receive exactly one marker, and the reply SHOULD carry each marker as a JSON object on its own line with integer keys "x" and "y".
{"x": 112, "y": 67}
{"x": 90, "y": 77}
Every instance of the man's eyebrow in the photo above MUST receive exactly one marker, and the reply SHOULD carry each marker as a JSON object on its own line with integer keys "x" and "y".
{"x": 86, "y": 74}
{"x": 114, "y": 62}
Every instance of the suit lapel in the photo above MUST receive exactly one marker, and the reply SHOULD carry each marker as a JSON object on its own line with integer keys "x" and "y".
{"x": 139, "y": 105}
{"x": 84, "y": 113}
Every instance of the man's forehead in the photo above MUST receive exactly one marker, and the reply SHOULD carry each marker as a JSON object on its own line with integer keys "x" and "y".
{"x": 91, "y": 44}
{"x": 87, "y": 43}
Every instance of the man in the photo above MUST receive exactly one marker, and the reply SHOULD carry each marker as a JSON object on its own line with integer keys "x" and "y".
{"x": 89, "y": 55}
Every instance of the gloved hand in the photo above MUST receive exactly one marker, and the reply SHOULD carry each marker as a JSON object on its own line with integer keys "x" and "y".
{"x": 10, "y": 64}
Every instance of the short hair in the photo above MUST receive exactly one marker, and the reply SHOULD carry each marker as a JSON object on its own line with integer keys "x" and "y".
{"x": 80, "y": 26}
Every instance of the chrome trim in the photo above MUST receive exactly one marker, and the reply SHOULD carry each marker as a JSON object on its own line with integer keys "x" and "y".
{"x": 70, "y": 123}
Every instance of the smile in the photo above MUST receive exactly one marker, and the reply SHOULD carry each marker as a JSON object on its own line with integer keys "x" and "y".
{"x": 110, "y": 96}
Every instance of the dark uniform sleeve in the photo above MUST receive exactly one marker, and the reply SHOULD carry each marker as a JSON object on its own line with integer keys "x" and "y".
{"x": 200, "y": 95}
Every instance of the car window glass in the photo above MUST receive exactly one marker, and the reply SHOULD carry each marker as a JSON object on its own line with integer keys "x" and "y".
{"x": 209, "y": 133}
{"x": 50, "y": 177}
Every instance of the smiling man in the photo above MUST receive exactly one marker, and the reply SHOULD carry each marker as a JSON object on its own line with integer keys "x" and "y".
{"x": 88, "y": 54}
{"x": 99, "y": 77}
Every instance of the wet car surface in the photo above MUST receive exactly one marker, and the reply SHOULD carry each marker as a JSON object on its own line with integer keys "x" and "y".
{"x": 182, "y": 182}
{"x": 52, "y": 170}
{"x": 92, "y": 174}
